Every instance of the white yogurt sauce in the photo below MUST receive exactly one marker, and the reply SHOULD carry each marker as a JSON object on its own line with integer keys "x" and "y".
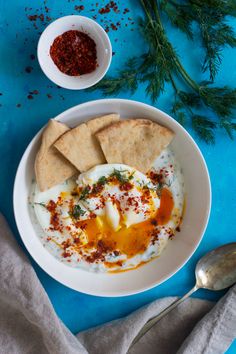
{"x": 166, "y": 163}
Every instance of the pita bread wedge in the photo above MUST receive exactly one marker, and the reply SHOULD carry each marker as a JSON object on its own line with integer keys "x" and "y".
{"x": 51, "y": 168}
{"x": 80, "y": 145}
{"x": 134, "y": 142}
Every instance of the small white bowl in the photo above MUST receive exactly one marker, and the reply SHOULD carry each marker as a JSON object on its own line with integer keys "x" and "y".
{"x": 83, "y": 24}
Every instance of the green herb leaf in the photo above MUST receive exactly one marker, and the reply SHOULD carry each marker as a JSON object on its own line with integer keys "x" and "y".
{"x": 120, "y": 176}
{"x": 42, "y": 204}
{"x": 204, "y": 128}
{"x": 102, "y": 180}
{"x": 77, "y": 211}
{"x": 84, "y": 193}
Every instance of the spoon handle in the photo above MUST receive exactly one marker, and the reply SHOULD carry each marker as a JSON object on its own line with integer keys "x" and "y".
{"x": 157, "y": 318}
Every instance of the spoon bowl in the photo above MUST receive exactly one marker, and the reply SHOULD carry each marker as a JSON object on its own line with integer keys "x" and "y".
{"x": 217, "y": 269}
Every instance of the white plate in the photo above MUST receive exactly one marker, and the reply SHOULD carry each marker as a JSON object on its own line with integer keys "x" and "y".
{"x": 178, "y": 251}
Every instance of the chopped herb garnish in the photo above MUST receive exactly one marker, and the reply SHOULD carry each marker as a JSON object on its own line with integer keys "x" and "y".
{"x": 77, "y": 211}
{"x": 131, "y": 176}
{"x": 102, "y": 180}
{"x": 42, "y": 204}
{"x": 84, "y": 193}
{"x": 119, "y": 175}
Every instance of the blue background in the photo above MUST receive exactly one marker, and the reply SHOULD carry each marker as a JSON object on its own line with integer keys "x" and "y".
{"x": 18, "y": 125}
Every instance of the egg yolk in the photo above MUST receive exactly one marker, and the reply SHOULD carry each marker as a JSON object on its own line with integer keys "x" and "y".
{"x": 128, "y": 240}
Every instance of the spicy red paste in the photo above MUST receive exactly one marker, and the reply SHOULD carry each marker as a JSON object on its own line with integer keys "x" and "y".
{"x": 74, "y": 53}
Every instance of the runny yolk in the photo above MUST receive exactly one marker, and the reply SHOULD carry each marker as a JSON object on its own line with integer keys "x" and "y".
{"x": 166, "y": 207}
{"x": 132, "y": 240}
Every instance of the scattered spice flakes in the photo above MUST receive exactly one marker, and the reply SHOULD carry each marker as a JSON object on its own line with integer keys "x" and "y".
{"x": 34, "y": 92}
{"x": 1, "y": 94}
{"x": 114, "y": 27}
{"x": 32, "y": 17}
{"x": 49, "y": 96}
{"x": 42, "y": 17}
{"x": 28, "y": 69}
{"x": 126, "y": 10}
{"x": 31, "y": 93}
{"x": 79, "y": 8}
{"x": 18, "y": 105}
{"x": 32, "y": 56}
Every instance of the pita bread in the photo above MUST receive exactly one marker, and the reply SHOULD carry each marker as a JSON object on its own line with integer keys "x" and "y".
{"x": 134, "y": 142}
{"x": 81, "y": 147}
{"x": 51, "y": 168}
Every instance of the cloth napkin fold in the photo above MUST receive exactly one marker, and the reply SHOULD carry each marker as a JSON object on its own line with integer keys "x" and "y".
{"x": 29, "y": 324}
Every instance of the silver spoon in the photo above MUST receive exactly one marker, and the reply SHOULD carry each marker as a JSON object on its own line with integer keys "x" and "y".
{"x": 214, "y": 271}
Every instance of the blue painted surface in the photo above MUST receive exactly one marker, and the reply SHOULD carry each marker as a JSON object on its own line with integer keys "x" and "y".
{"x": 18, "y": 41}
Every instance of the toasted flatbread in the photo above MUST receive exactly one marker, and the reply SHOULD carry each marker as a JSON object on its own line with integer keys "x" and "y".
{"x": 51, "y": 168}
{"x": 80, "y": 145}
{"x": 134, "y": 142}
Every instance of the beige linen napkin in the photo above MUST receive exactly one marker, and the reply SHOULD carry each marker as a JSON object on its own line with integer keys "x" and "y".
{"x": 29, "y": 324}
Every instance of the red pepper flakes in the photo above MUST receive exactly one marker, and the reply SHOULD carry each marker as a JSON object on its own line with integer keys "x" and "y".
{"x": 41, "y": 17}
{"x": 66, "y": 254}
{"x": 107, "y": 8}
{"x": 126, "y": 186}
{"x": 32, "y": 56}
{"x": 18, "y": 105}
{"x": 74, "y": 53}
{"x": 34, "y": 92}
{"x": 79, "y": 8}
{"x": 49, "y": 96}
{"x": 32, "y": 17}
{"x": 113, "y": 27}
{"x": 30, "y": 97}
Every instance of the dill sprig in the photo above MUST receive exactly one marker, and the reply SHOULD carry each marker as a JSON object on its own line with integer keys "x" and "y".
{"x": 211, "y": 18}
{"x": 84, "y": 193}
{"x": 120, "y": 176}
{"x": 161, "y": 64}
{"x": 77, "y": 212}
{"x": 41, "y": 204}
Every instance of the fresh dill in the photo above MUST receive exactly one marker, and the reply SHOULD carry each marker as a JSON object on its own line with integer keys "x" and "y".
{"x": 120, "y": 176}
{"x": 42, "y": 204}
{"x": 84, "y": 193}
{"x": 102, "y": 180}
{"x": 161, "y": 64}
{"x": 77, "y": 211}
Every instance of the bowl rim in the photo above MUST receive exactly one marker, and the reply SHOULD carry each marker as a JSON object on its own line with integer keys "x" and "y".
{"x": 120, "y": 293}
{"x": 48, "y": 74}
